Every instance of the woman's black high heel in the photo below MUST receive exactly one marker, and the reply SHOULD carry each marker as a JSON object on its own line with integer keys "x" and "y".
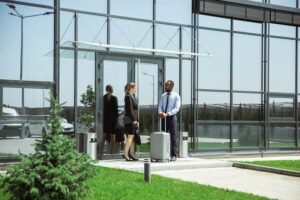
{"x": 127, "y": 159}
{"x": 133, "y": 158}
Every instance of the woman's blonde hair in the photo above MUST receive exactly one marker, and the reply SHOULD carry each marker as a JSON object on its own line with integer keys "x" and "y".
{"x": 129, "y": 86}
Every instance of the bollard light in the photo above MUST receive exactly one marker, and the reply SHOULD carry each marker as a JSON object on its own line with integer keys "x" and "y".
{"x": 147, "y": 170}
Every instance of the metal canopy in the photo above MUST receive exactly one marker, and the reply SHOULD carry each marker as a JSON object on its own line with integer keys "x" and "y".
{"x": 100, "y": 46}
{"x": 248, "y": 10}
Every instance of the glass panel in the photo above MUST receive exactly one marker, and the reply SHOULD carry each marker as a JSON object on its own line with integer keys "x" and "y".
{"x": 37, "y": 41}
{"x": 186, "y": 39}
{"x": 91, "y": 28}
{"x": 36, "y": 102}
{"x": 245, "y": 136}
{"x": 167, "y": 37}
{"x": 283, "y": 30}
{"x": 247, "y": 107}
{"x": 12, "y": 97}
{"x": 250, "y": 27}
{"x": 282, "y": 65}
{"x": 11, "y": 137}
{"x": 115, "y": 74}
{"x": 177, "y": 11}
{"x": 281, "y": 107}
{"x": 44, "y": 2}
{"x": 98, "y": 6}
{"x": 148, "y": 100}
{"x": 186, "y": 95}
{"x": 298, "y": 62}
{"x": 67, "y": 84}
{"x": 124, "y": 32}
{"x": 132, "y": 8}
{"x": 298, "y": 137}
{"x": 214, "y": 22}
{"x": 298, "y": 108}
{"x": 86, "y": 77}
{"x": 213, "y": 106}
{"x": 172, "y": 72}
{"x": 281, "y": 135}
{"x": 211, "y": 136}
{"x": 246, "y": 62}
{"x": 289, "y": 3}
{"x": 66, "y": 27}
{"x": 214, "y": 71}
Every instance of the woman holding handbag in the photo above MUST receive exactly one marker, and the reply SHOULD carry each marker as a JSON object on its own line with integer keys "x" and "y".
{"x": 130, "y": 121}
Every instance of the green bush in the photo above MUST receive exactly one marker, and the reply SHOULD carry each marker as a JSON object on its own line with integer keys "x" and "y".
{"x": 55, "y": 171}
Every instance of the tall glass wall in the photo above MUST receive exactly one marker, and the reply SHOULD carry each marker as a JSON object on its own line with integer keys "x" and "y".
{"x": 246, "y": 90}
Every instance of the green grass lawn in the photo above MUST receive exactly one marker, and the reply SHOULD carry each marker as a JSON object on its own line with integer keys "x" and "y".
{"x": 281, "y": 164}
{"x": 119, "y": 184}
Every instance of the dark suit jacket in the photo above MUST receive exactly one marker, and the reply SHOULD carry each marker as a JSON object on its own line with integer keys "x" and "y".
{"x": 131, "y": 107}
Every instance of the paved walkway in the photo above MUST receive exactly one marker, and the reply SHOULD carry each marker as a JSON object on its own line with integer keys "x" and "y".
{"x": 220, "y": 173}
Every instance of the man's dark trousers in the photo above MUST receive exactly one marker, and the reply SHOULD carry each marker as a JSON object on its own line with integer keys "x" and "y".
{"x": 171, "y": 128}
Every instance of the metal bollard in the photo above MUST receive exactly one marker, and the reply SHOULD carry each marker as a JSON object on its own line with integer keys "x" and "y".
{"x": 147, "y": 170}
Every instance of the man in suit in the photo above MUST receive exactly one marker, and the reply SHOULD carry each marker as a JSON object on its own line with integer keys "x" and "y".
{"x": 168, "y": 107}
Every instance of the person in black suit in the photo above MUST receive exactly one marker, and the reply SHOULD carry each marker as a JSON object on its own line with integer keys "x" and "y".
{"x": 130, "y": 121}
{"x": 110, "y": 116}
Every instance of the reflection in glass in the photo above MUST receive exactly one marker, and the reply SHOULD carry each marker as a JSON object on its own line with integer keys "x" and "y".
{"x": 281, "y": 136}
{"x": 246, "y": 63}
{"x": 214, "y": 72}
{"x": 212, "y": 136}
{"x": 281, "y": 107}
{"x": 247, "y": 107}
{"x": 282, "y": 65}
{"x": 214, "y": 22}
{"x": 247, "y": 136}
{"x": 244, "y": 26}
{"x": 12, "y": 97}
{"x": 124, "y": 32}
{"x": 213, "y": 106}
{"x": 132, "y": 8}
{"x": 176, "y": 11}
{"x": 172, "y": 72}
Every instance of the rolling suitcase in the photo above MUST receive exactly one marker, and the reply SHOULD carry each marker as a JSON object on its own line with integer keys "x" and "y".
{"x": 160, "y": 146}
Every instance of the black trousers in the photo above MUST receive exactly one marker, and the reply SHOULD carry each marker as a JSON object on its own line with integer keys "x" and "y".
{"x": 171, "y": 128}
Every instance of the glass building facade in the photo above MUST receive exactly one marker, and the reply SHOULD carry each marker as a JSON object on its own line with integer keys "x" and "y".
{"x": 238, "y": 79}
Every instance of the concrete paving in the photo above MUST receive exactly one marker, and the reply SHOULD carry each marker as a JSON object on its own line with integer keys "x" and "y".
{"x": 220, "y": 173}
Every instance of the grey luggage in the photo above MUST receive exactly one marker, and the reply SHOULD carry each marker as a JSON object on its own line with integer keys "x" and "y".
{"x": 160, "y": 146}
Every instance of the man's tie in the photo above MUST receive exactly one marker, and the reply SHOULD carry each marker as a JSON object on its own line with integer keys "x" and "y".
{"x": 167, "y": 103}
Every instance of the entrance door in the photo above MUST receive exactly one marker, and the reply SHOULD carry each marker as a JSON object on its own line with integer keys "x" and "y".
{"x": 117, "y": 71}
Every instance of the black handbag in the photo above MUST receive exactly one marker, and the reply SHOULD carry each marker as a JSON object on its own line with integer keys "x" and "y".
{"x": 137, "y": 137}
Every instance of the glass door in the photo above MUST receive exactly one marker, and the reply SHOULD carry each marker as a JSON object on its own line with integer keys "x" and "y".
{"x": 117, "y": 71}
